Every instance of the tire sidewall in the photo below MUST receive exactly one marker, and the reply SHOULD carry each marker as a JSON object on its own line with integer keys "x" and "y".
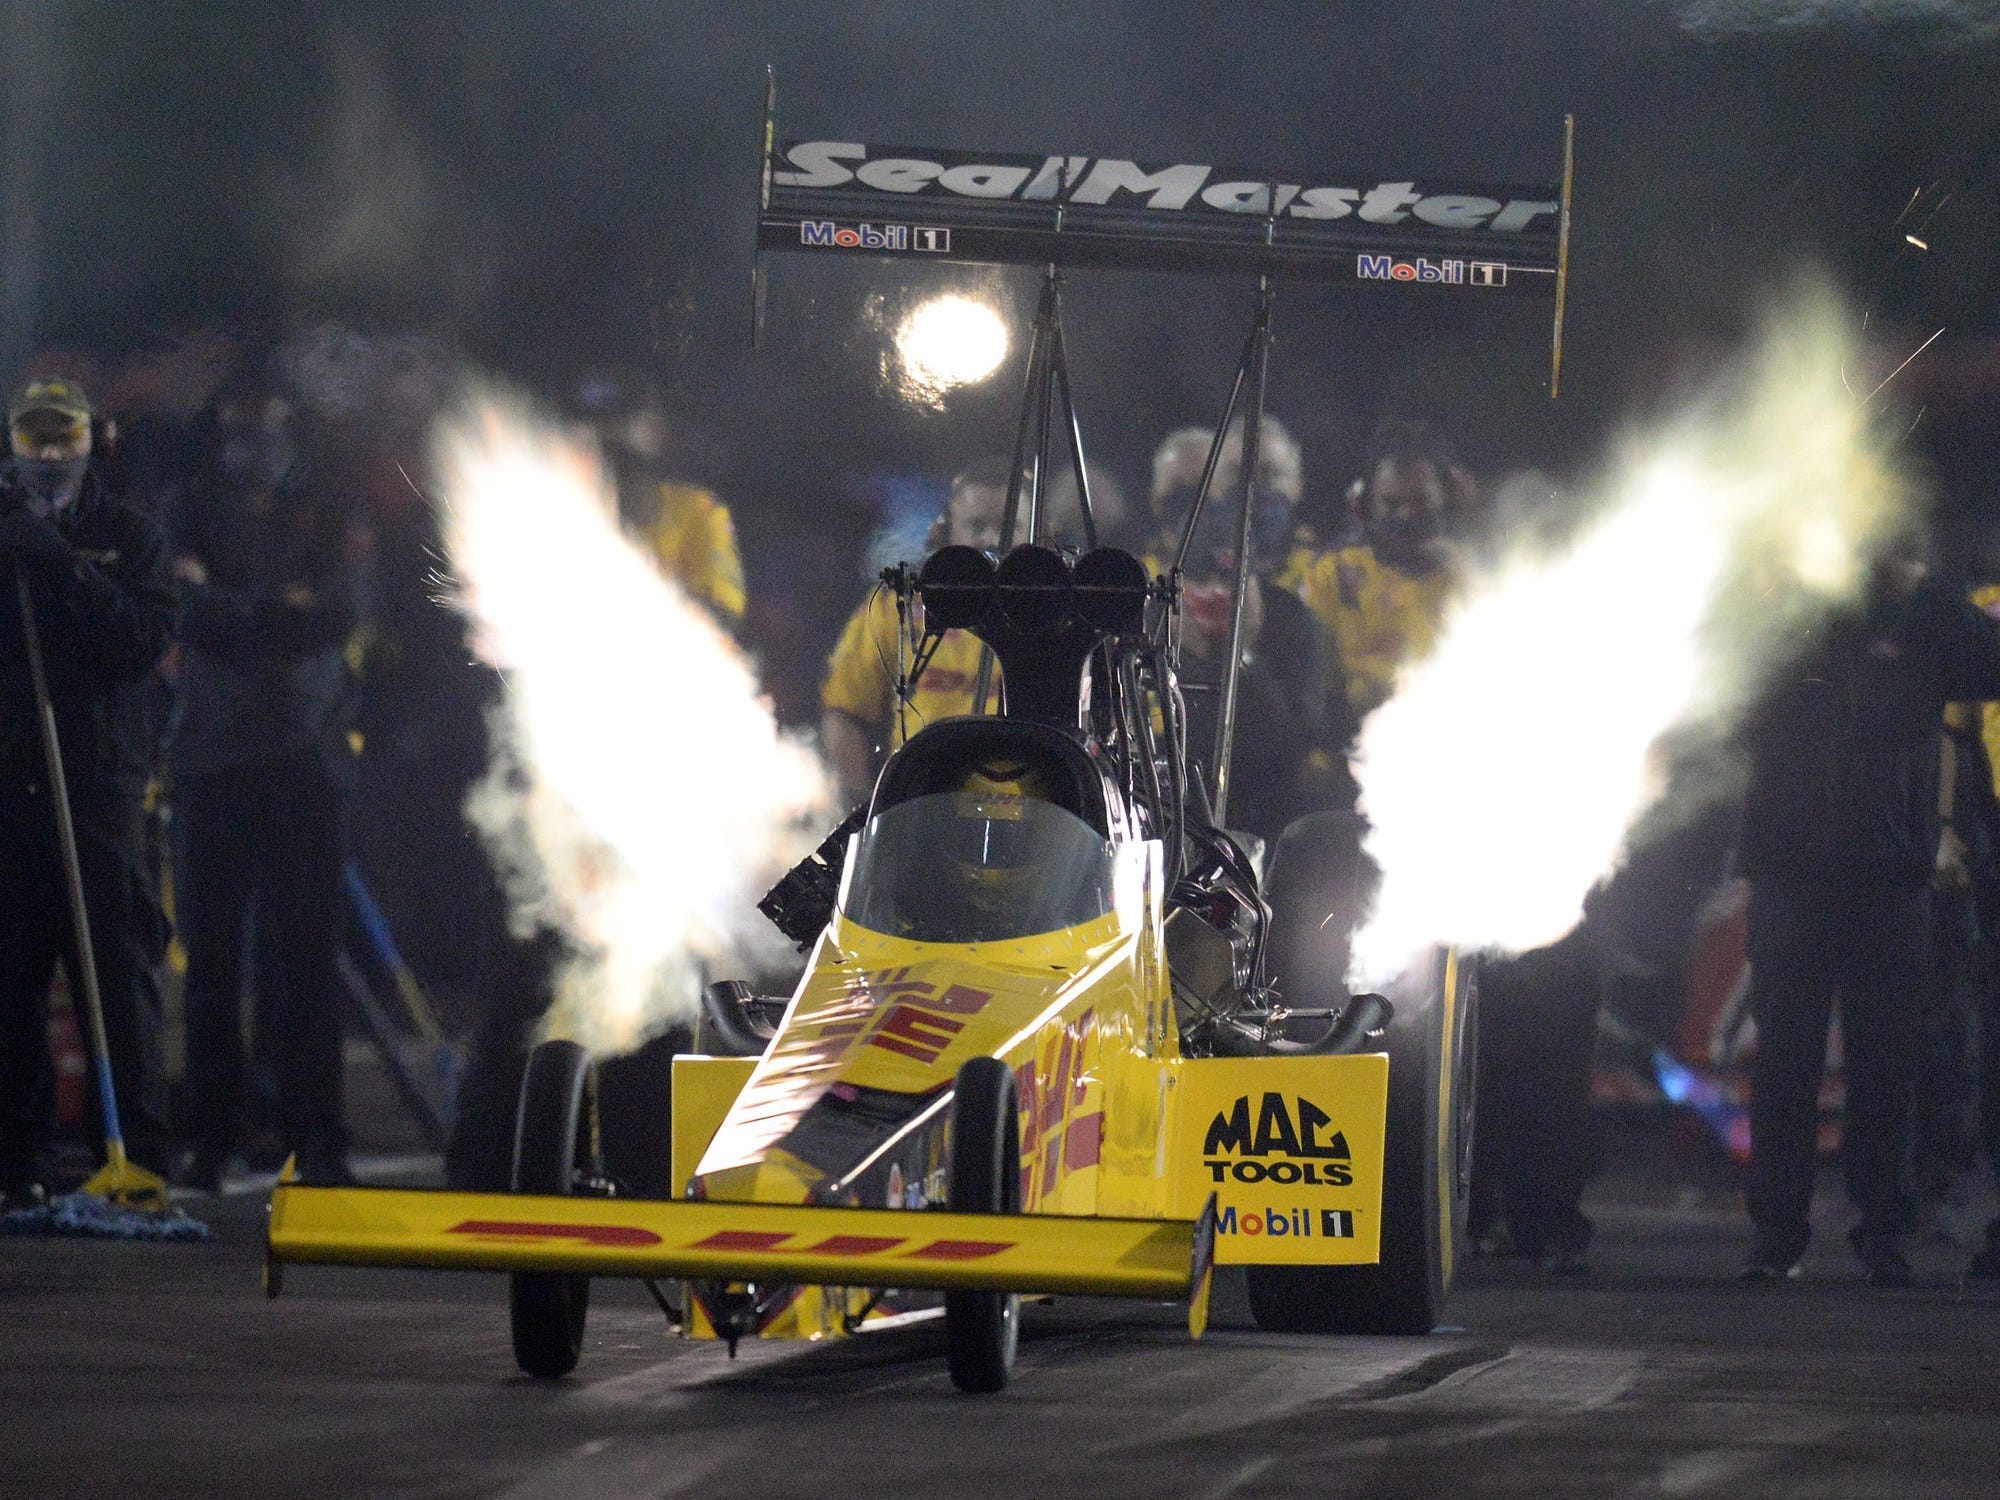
{"x": 545, "y": 1157}
{"x": 982, "y": 1329}
{"x": 1423, "y": 1210}
{"x": 1414, "y": 1232}
{"x": 1437, "y": 1054}
{"x": 548, "y": 1309}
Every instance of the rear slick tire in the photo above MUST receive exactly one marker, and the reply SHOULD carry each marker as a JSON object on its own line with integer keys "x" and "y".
{"x": 1432, "y": 1043}
{"x": 982, "y": 1329}
{"x": 552, "y": 1146}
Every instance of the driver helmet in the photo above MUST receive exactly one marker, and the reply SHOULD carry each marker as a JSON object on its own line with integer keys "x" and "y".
{"x": 989, "y": 853}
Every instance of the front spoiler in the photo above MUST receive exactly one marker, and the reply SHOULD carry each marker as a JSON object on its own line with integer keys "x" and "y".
{"x": 772, "y": 1244}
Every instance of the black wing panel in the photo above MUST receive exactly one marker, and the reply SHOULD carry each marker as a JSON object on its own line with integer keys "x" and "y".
{"x": 850, "y": 198}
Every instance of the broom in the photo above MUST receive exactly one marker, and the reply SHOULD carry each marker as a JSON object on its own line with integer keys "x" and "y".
{"x": 134, "y": 1200}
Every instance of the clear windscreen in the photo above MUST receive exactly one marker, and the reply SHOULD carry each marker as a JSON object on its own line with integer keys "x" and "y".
{"x": 969, "y": 867}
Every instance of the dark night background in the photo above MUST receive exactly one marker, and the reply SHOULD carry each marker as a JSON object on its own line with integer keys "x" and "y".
{"x": 556, "y": 189}
{"x": 564, "y": 187}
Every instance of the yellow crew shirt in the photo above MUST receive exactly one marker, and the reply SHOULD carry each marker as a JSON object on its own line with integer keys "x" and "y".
{"x": 861, "y": 673}
{"x": 1377, "y": 618}
{"x": 695, "y": 541}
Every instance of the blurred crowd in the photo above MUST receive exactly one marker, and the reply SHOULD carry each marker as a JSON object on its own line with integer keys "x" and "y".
{"x": 219, "y": 570}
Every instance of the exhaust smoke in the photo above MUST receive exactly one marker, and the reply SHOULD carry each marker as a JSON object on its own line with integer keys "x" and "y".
{"x": 1504, "y": 776}
{"x": 640, "y": 796}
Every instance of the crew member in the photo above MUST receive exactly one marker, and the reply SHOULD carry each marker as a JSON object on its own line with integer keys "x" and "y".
{"x": 688, "y": 530}
{"x": 1943, "y": 1133}
{"x": 1289, "y": 749}
{"x": 1536, "y": 1147}
{"x": 1119, "y": 522}
{"x": 1289, "y": 783}
{"x": 103, "y": 612}
{"x": 861, "y": 717}
{"x": 1970, "y": 860}
{"x": 1382, "y": 599}
{"x": 1177, "y": 468}
{"x": 694, "y": 539}
{"x": 1840, "y": 839}
{"x": 261, "y": 766}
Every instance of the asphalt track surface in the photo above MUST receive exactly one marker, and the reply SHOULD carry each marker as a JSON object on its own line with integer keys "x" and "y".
{"x": 131, "y": 1371}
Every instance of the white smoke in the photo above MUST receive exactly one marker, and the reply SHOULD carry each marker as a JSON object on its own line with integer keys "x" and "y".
{"x": 641, "y": 796}
{"x": 1503, "y": 777}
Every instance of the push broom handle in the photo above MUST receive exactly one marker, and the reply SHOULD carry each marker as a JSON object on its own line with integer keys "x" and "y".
{"x": 114, "y": 1137}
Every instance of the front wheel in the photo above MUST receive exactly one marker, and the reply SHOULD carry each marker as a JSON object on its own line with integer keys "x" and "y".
{"x": 554, "y": 1146}
{"x": 983, "y": 1329}
{"x": 1426, "y": 1174}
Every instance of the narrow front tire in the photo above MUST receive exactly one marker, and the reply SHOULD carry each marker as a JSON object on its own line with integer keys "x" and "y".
{"x": 983, "y": 1329}
{"x": 553, "y": 1147}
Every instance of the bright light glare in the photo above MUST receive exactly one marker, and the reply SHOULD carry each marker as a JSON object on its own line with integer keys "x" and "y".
{"x": 949, "y": 342}
{"x": 641, "y": 796}
{"x": 1502, "y": 778}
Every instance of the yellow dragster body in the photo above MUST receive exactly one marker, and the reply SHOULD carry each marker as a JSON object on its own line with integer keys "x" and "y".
{"x": 1139, "y": 1167}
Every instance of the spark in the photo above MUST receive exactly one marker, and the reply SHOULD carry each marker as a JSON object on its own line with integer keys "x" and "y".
{"x": 1918, "y": 196}
{"x": 1906, "y": 363}
{"x": 415, "y": 488}
{"x": 1935, "y": 209}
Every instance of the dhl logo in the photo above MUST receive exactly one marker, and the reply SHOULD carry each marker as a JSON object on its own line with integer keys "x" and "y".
{"x": 1056, "y": 1134}
{"x": 913, "y": 1017}
{"x": 617, "y": 1236}
{"x": 735, "y": 1241}
{"x": 886, "y": 1008}
{"x": 768, "y": 1242}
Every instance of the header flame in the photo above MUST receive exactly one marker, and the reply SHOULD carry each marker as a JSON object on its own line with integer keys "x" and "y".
{"x": 641, "y": 796}
{"x": 1503, "y": 777}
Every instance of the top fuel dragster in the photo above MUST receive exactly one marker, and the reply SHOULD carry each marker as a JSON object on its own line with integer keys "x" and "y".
{"x": 1037, "y": 1047}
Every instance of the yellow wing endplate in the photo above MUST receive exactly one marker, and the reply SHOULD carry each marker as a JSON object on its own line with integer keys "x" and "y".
{"x": 770, "y": 1243}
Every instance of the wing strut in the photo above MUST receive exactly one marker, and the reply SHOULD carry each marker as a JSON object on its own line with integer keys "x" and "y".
{"x": 1252, "y": 368}
{"x": 1046, "y": 398}
{"x": 1257, "y": 354}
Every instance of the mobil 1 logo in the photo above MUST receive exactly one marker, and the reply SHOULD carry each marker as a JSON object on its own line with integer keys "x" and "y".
{"x": 1281, "y": 1143}
{"x": 1423, "y": 269}
{"x": 888, "y": 238}
{"x": 1282, "y": 1223}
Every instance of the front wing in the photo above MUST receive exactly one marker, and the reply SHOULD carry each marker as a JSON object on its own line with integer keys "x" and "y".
{"x": 772, "y": 1244}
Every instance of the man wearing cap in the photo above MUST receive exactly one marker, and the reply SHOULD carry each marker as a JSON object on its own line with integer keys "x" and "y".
{"x": 103, "y": 612}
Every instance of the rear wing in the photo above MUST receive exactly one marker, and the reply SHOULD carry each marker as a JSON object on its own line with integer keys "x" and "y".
{"x": 1457, "y": 237}
{"x": 849, "y": 197}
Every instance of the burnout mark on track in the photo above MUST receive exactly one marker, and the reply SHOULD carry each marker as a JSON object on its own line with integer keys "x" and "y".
{"x": 1433, "y": 1371}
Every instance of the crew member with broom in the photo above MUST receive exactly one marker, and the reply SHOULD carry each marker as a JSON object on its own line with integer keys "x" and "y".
{"x": 102, "y": 611}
